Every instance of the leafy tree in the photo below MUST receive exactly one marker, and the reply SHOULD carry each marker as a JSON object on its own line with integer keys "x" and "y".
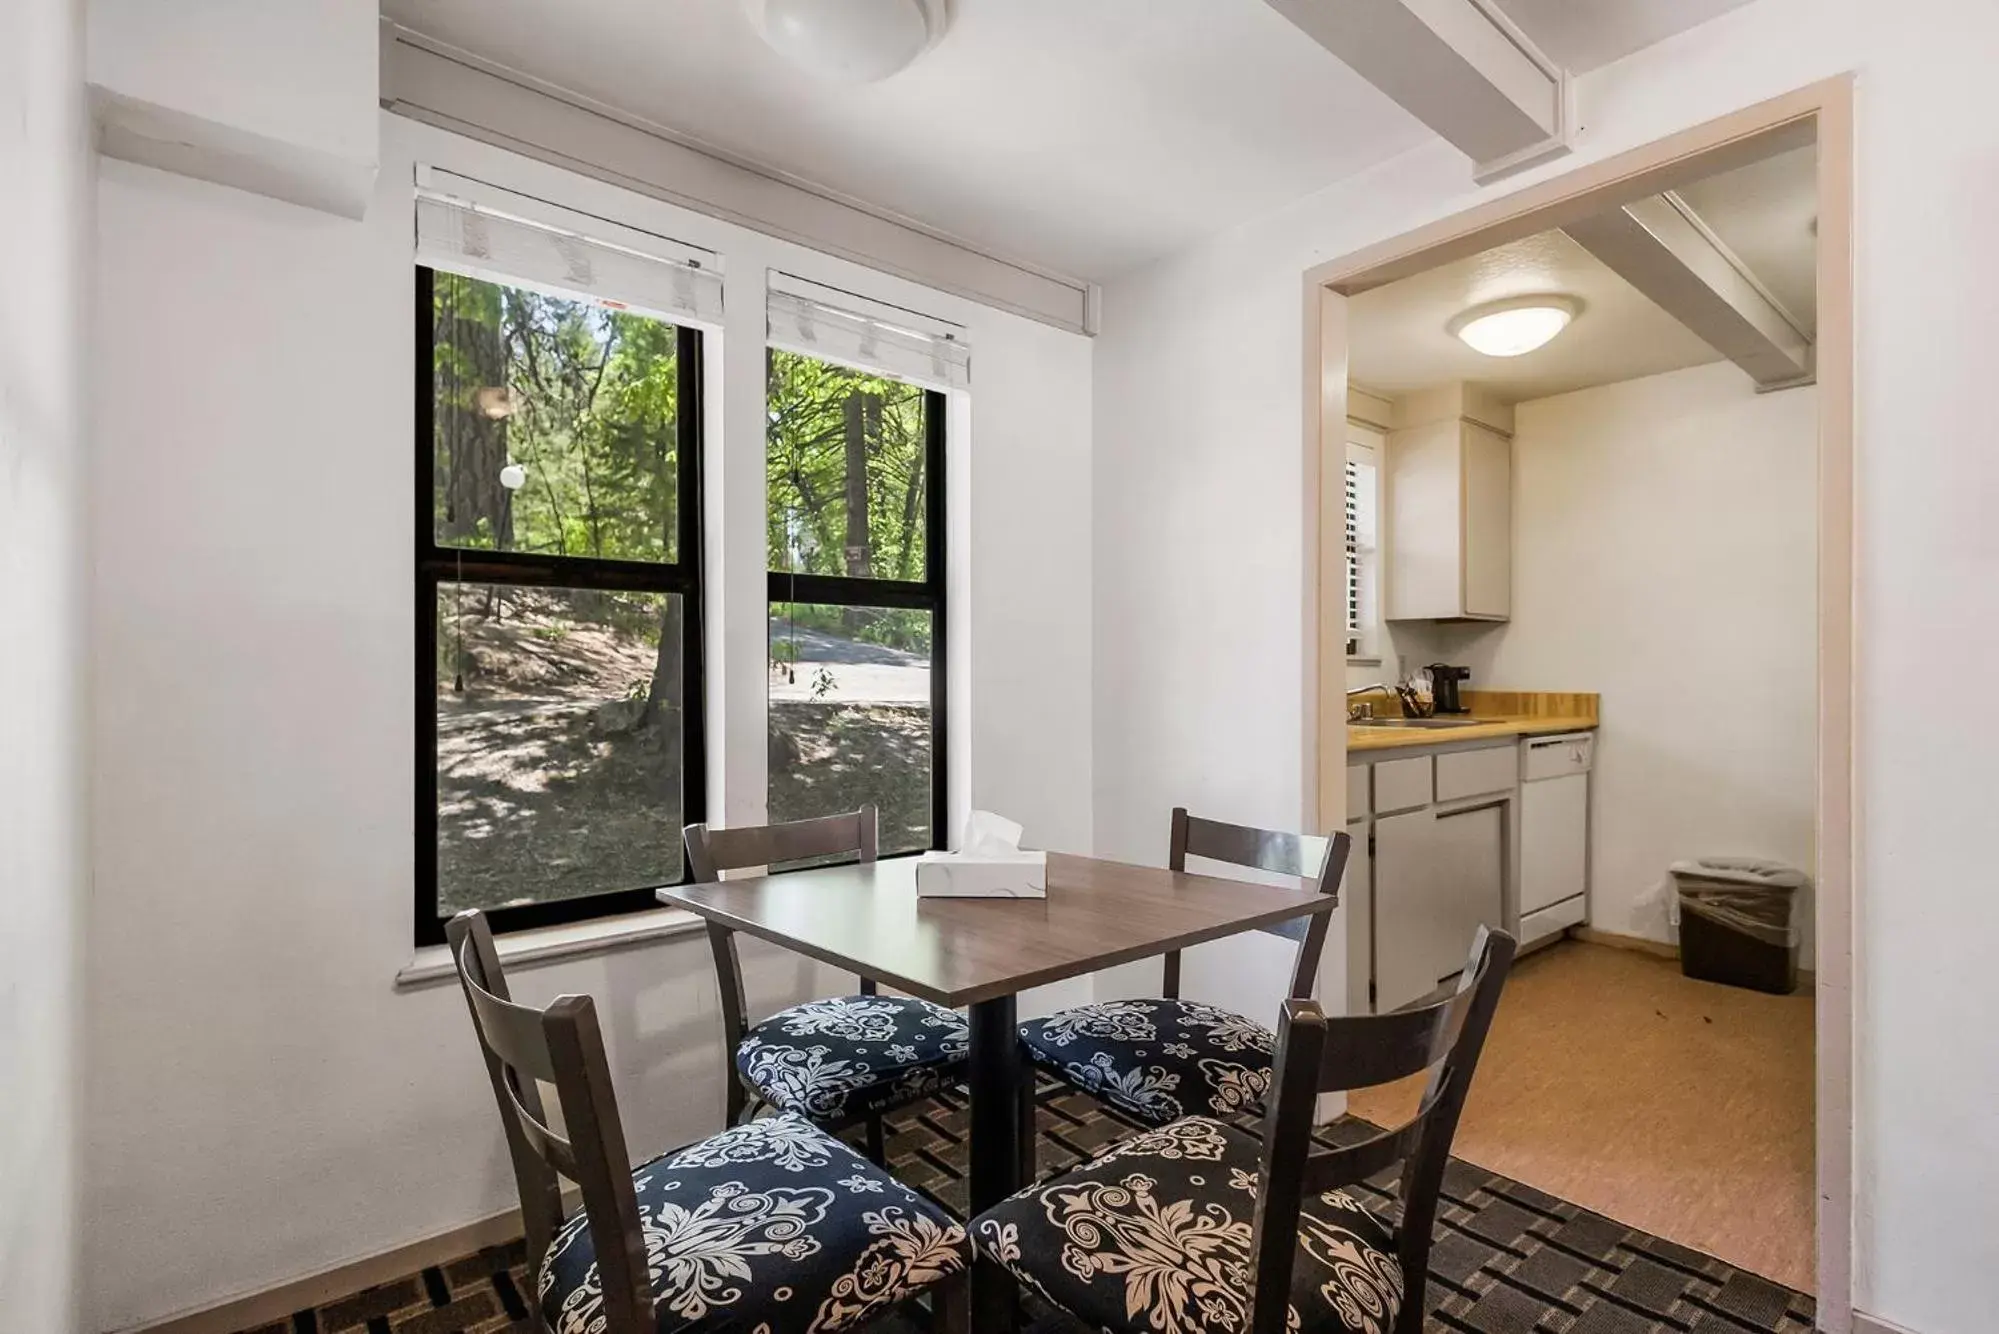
{"x": 844, "y": 464}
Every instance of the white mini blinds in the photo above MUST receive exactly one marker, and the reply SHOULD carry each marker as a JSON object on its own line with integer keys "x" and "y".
{"x": 464, "y": 226}
{"x": 833, "y": 325}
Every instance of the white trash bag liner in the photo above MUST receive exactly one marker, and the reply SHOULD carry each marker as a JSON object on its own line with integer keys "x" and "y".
{"x": 1745, "y": 894}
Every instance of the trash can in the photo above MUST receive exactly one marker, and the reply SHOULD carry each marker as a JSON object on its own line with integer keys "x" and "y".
{"x": 1737, "y": 919}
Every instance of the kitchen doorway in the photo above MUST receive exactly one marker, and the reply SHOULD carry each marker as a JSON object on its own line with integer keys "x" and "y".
{"x": 1816, "y": 118}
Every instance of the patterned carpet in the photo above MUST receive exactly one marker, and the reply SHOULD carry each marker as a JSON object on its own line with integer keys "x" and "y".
{"x": 1507, "y": 1260}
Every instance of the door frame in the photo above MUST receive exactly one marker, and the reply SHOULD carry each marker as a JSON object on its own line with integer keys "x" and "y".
{"x": 1823, "y": 113}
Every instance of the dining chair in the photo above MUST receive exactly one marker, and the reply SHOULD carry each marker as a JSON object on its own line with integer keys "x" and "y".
{"x": 839, "y": 1060}
{"x": 1157, "y": 1059}
{"x": 1204, "y": 1228}
{"x": 774, "y": 1226}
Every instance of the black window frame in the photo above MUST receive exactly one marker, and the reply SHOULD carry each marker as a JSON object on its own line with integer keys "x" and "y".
{"x": 928, "y": 594}
{"x": 439, "y": 565}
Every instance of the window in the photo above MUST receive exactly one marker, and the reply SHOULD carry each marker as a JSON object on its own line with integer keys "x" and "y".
{"x": 1363, "y": 591}
{"x": 854, "y": 466}
{"x": 558, "y": 597}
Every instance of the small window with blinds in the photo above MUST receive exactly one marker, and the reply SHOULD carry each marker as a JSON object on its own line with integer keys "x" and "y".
{"x": 1363, "y": 566}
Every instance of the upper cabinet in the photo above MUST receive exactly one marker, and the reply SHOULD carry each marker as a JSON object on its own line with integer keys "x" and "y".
{"x": 1450, "y": 508}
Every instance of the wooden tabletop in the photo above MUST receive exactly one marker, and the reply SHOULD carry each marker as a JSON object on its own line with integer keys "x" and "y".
{"x": 868, "y": 920}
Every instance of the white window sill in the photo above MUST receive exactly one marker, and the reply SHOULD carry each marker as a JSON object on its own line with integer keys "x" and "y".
{"x": 432, "y": 965}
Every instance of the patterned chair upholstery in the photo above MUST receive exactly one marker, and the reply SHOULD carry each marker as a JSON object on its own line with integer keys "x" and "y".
{"x": 852, "y": 1056}
{"x": 1155, "y": 1236}
{"x": 1158, "y": 1059}
{"x": 837, "y": 1060}
{"x": 772, "y": 1226}
{"x": 1164, "y": 1058}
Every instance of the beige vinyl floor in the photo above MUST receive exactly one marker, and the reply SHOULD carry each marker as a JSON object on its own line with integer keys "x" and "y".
{"x": 1680, "y": 1107}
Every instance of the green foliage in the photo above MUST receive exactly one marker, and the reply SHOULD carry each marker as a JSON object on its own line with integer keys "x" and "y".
{"x": 808, "y": 446}
{"x": 589, "y": 411}
{"x": 823, "y": 418}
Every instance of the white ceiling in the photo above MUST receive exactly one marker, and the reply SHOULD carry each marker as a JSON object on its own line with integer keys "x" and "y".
{"x": 1089, "y": 136}
{"x": 1762, "y": 211}
{"x": 1086, "y": 136}
{"x": 1398, "y": 341}
{"x": 1584, "y": 34}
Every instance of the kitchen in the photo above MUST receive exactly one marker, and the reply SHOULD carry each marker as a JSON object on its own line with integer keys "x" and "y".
{"x": 1581, "y": 637}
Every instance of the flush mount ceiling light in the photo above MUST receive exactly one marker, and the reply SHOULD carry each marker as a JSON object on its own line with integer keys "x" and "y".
{"x": 1514, "y": 327}
{"x": 849, "y": 41}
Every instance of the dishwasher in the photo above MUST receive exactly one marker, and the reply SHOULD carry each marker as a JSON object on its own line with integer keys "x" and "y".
{"x": 1554, "y": 834}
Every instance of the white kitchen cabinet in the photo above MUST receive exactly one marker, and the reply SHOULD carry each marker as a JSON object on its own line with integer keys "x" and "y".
{"x": 1409, "y": 910}
{"x": 1450, "y": 523}
{"x": 1357, "y": 898}
{"x": 1437, "y": 877}
{"x": 1470, "y": 859}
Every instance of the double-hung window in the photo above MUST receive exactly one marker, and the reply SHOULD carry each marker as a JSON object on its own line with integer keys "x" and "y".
{"x": 854, "y": 467}
{"x": 558, "y": 570}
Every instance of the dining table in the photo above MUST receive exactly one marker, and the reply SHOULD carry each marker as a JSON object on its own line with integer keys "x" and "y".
{"x": 979, "y": 954}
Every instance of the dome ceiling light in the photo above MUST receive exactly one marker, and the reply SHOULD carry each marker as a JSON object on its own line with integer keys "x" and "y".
{"x": 1514, "y": 327}
{"x": 849, "y": 41}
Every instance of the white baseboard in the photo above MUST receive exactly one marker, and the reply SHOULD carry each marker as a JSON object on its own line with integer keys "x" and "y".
{"x": 1871, "y": 1324}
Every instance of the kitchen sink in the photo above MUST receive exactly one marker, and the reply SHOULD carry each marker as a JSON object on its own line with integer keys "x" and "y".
{"x": 1420, "y": 723}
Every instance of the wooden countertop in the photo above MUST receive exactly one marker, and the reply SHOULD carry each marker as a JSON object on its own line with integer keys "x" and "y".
{"x": 1397, "y": 738}
{"x": 1499, "y": 713}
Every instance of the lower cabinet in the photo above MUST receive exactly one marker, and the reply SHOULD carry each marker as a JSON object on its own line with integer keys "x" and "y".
{"x": 1438, "y": 875}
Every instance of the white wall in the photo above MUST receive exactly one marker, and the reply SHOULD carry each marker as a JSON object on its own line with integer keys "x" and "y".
{"x": 302, "y": 75}
{"x": 44, "y": 234}
{"x": 261, "y": 1103}
{"x": 1664, "y": 556}
{"x": 1198, "y": 419}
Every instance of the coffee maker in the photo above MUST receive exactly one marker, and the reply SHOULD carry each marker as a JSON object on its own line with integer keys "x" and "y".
{"x": 1444, "y": 681}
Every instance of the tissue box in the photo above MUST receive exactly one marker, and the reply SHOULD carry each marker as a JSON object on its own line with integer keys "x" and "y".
{"x": 982, "y": 875}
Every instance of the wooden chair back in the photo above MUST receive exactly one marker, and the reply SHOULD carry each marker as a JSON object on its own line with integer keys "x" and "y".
{"x": 1320, "y": 862}
{"x": 1317, "y": 1055}
{"x": 561, "y": 1048}
{"x": 712, "y": 851}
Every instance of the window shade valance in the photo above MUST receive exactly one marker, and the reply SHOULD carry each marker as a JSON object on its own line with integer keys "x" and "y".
{"x": 569, "y": 256}
{"x": 839, "y": 326}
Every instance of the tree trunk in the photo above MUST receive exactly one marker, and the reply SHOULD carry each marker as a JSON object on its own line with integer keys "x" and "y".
{"x": 910, "y": 496}
{"x": 474, "y": 444}
{"x": 863, "y": 420}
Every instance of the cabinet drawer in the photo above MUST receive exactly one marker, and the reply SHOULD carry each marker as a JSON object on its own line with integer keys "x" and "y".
{"x": 1556, "y": 756}
{"x": 1473, "y": 773}
{"x": 1538, "y": 926}
{"x": 1356, "y": 791}
{"x": 1401, "y": 785}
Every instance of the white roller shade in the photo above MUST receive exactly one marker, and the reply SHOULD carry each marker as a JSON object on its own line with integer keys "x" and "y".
{"x": 854, "y": 331}
{"x": 464, "y": 226}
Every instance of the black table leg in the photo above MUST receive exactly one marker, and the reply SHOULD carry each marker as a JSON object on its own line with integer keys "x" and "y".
{"x": 995, "y": 1074}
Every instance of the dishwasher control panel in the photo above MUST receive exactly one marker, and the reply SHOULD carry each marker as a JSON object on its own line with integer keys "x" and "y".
{"x": 1556, "y": 756}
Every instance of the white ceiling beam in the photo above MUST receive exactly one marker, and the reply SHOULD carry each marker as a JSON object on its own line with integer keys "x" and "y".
{"x": 1459, "y": 66}
{"x": 1661, "y": 247}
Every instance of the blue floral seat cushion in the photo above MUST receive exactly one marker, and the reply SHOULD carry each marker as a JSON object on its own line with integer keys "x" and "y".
{"x": 773, "y": 1225}
{"x": 1158, "y": 1060}
{"x": 1154, "y": 1236}
{"x": 851, "y": 1056}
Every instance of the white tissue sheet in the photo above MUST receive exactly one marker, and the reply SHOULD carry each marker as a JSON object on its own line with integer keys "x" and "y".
{"x": 989, "y": 864}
